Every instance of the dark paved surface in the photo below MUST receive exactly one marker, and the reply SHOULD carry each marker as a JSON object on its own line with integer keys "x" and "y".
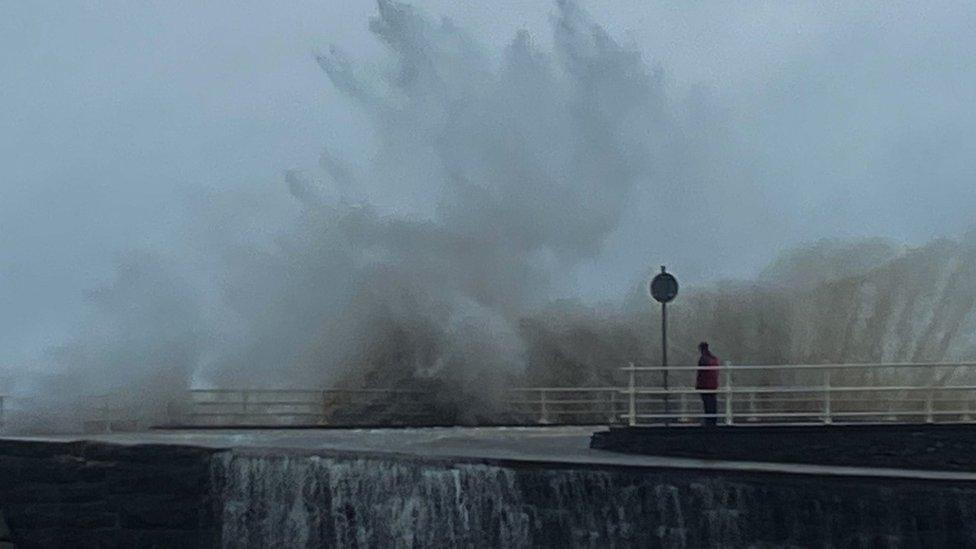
{"x": 944, "y": 447}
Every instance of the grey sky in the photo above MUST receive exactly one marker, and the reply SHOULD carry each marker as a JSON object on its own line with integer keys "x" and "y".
{"x": 120, "y": 119}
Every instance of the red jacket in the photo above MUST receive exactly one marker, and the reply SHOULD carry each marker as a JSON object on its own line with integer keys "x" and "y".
{"x": 707, "y": 373}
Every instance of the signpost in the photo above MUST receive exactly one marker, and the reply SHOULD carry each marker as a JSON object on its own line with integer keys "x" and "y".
{"x": 664, "y": 288}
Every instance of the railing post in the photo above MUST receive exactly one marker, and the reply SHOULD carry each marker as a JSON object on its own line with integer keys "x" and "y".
{"x": 827, "y": 417}
{"x": 631, "y": 398}
{"x": 728, "y": 393}
{"x": 752, "y": 406}
{"x": 684, "y": 408}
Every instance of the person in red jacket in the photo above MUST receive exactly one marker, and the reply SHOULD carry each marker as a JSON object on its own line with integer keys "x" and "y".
{"x": 707, "y": 383}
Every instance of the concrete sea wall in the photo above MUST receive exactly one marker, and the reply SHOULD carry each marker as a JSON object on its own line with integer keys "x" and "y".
{"x": 98, "y": 495}
{"x": 85, "y": 495}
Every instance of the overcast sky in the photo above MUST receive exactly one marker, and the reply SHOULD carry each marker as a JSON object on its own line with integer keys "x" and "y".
{"x": 828, "y": 120}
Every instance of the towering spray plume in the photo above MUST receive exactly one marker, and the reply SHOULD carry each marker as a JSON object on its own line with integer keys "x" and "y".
{"x": 510, "y": 172}
{"x": 494, "y": 176}
{"x": 437, "y": 259}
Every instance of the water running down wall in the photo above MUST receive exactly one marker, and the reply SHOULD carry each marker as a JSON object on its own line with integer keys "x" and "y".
{"x": 315, "y": 501}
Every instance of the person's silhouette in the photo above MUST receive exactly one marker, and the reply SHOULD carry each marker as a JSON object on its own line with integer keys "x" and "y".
{"x": 707, "y": 383}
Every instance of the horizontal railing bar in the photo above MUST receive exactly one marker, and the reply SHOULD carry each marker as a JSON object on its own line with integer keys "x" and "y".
{"x": 809, "y": 389}
{"x": 255, "y": 414}
{"x": 793, "y": 367}
{"x": 565, "y": 389}
{"x": 239, "y": 391}
{"x": 675, "y": 416}
{"x": 260, "y": 403}
{"x": 763, "y": 399}
{"x": 843, "y": 404}
{"x": 811, "y": 413}
{"x": 310, "y": 391}
{"x": 568, "y": 412}
{"x": 772, "y": 390}
{"x": 791, "y": 423}
{"x": 764, "y": 402}
{"x": 904, "y": 413}
{"x": 558, "y": 401}
{"x": 276, "y": 414}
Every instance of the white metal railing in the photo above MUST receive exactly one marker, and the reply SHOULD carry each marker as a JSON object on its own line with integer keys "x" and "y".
{"x": 795, "y": 394}
{"x": 577, "y": 405}
{"x": 296, "y": 406}
{"x": 811, "y": 393}
{"x": 252, "y": 406}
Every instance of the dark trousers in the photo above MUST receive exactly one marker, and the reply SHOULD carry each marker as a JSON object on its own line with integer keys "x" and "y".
{"x": 710, "y": 403}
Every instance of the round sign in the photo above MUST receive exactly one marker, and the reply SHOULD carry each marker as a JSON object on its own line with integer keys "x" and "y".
{"x": 664, "y": 287}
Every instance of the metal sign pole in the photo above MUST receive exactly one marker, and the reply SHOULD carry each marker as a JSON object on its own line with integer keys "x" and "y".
{"x": 664, "y": 362}
{"x": 663, "y": 288}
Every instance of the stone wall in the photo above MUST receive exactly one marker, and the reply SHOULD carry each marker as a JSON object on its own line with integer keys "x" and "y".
{"x": 96, "y": 495}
